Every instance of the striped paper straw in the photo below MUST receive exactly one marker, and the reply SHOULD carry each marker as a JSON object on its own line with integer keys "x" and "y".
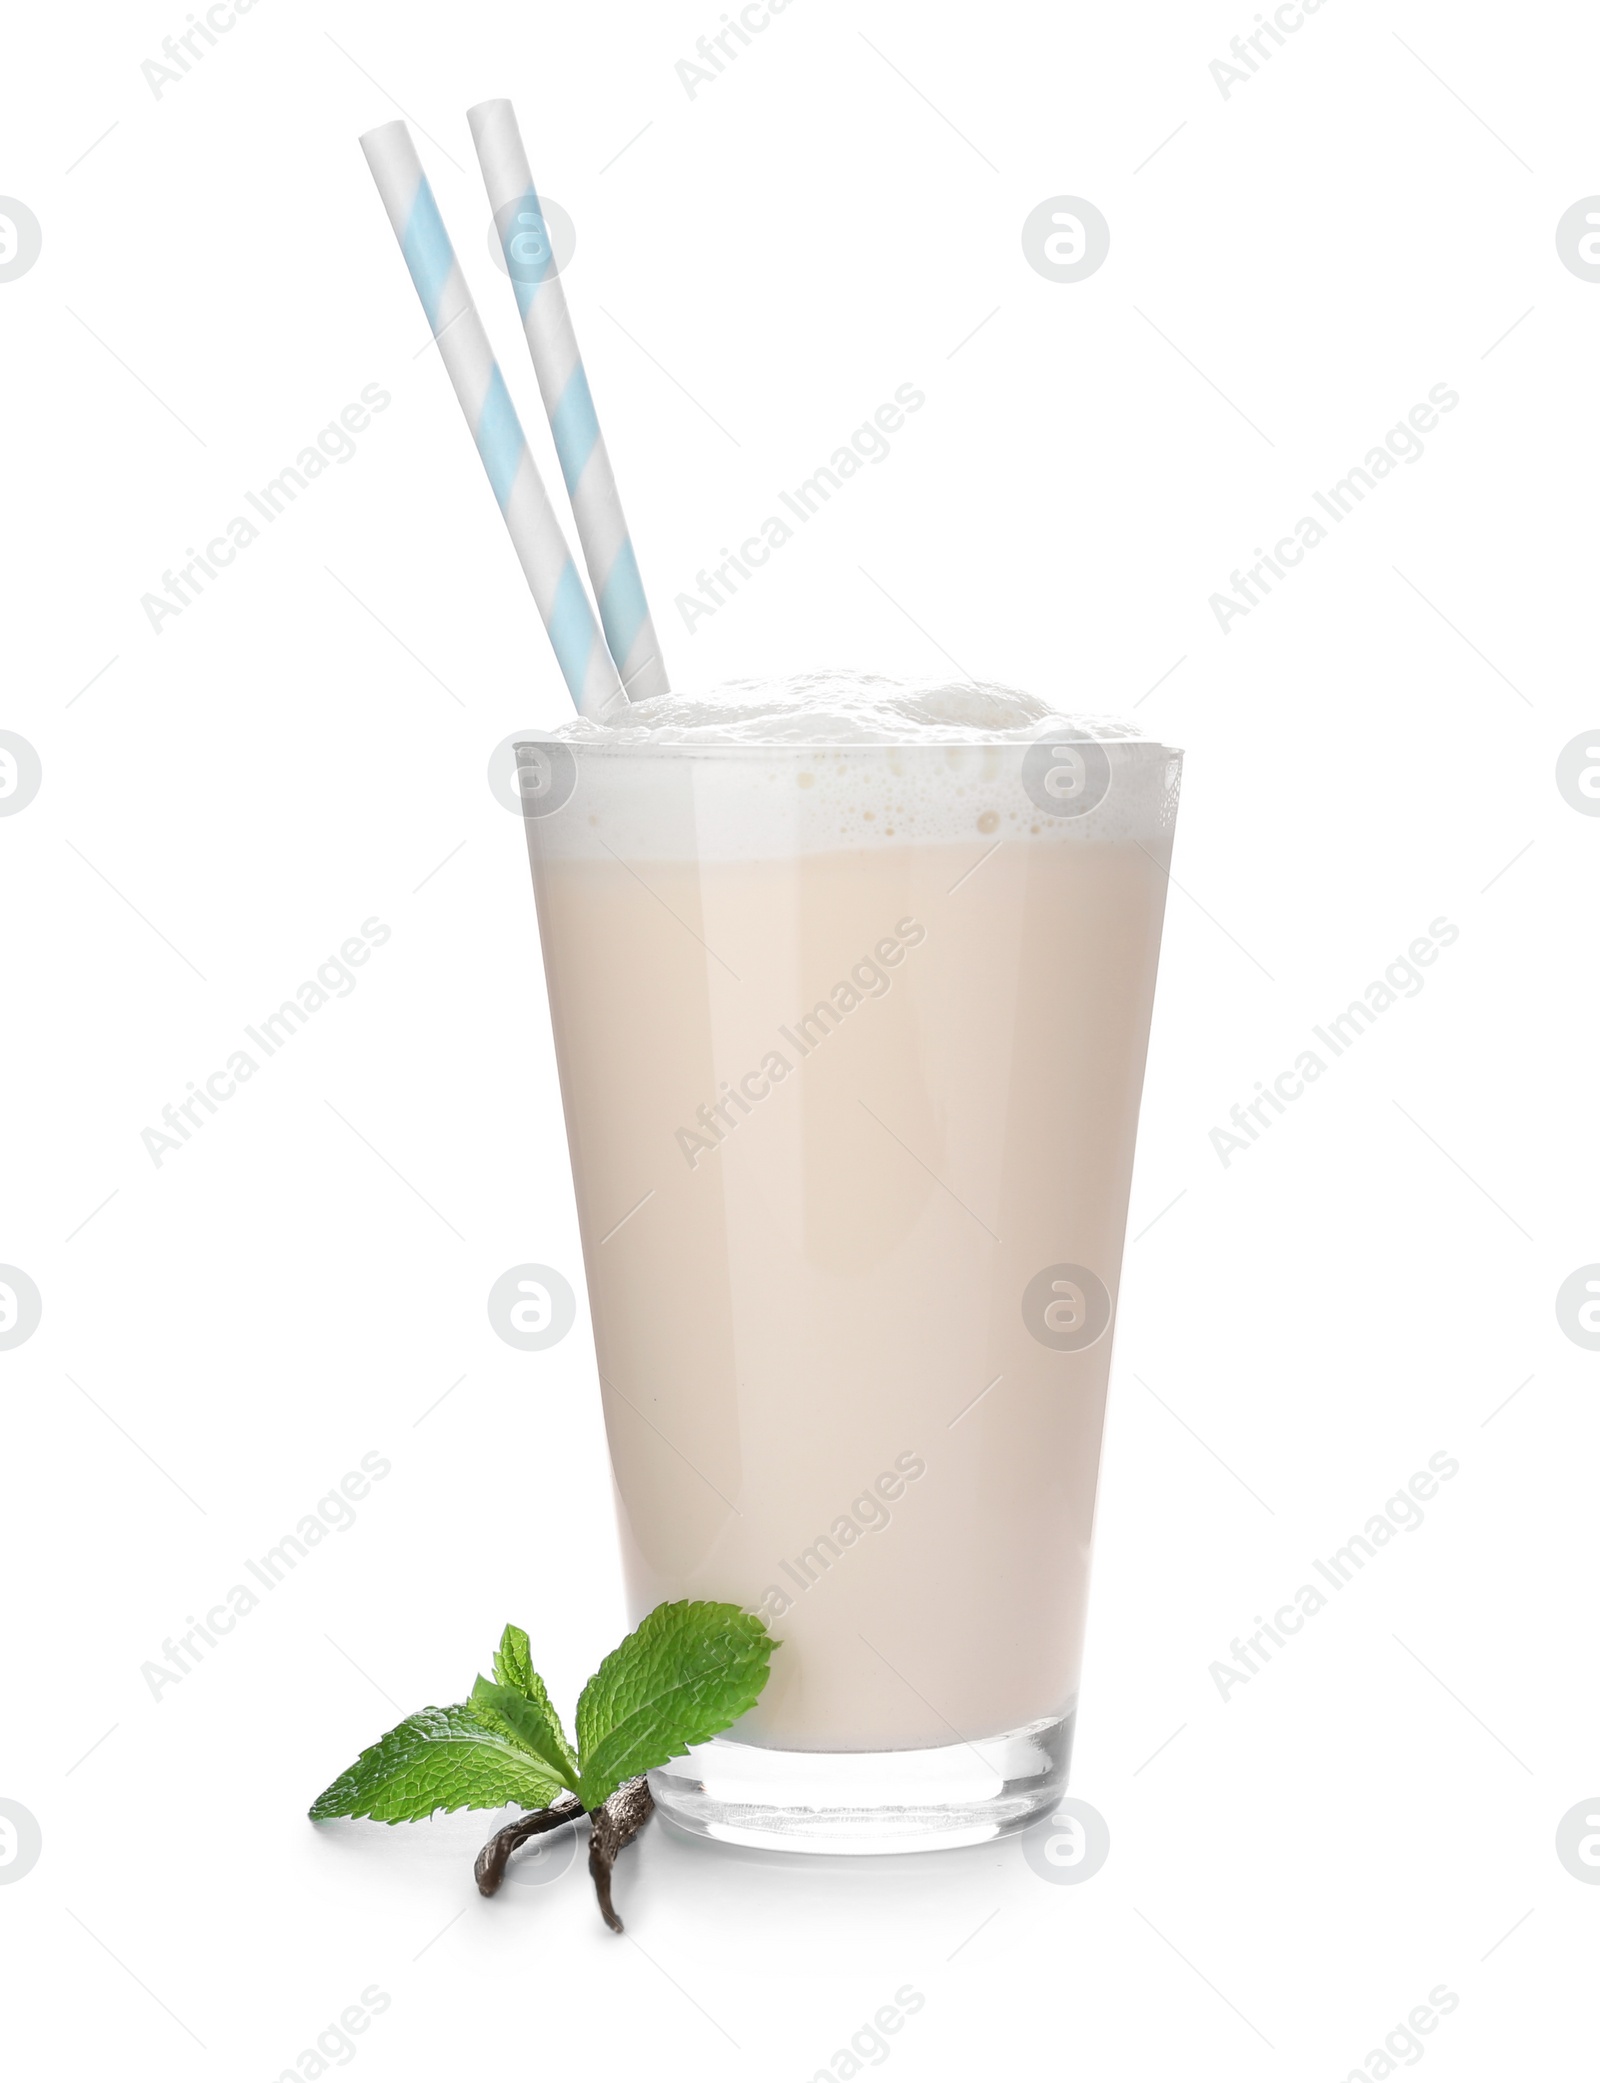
{"x": 464, "y": 347}
{"x": 602, "y": 530}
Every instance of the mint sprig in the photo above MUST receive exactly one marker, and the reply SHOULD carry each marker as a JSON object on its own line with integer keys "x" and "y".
{"x": 687, "y": 1672}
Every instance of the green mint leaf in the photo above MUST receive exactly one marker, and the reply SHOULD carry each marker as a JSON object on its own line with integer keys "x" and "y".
{"x": 687, "y": 1672}
{"x": 532, "y": 1727}
{"x": 442, "y": 1757}
{"x": 513, "y": 1664}
{"x": 513, "y": 1668}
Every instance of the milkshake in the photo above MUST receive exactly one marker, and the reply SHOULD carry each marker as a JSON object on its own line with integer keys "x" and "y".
{"x": 851, "y": 984}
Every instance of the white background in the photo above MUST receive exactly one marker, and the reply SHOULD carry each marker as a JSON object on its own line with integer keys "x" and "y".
{"x": 223, "y": 804}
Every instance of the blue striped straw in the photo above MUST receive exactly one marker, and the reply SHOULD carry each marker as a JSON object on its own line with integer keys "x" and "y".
{"x": 464, "y": 348}
{"x": 591, "y": 483}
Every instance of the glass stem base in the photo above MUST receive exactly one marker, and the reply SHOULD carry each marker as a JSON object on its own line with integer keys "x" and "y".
{"x": 856, "y": 1802}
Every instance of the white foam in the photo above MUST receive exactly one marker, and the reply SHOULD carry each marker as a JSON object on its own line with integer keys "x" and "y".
{"x": 840, "y": 707}
{"x": 841, "y": 761}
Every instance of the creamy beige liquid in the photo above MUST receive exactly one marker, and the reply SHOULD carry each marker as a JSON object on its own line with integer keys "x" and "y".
{"x": 821, "y": 1396}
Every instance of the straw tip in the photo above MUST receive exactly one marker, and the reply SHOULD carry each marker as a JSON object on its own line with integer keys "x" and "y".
{"x": 384, "y": 134}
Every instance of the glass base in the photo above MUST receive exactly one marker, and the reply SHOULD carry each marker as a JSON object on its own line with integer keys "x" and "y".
{"x": 857, "y": 1802}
